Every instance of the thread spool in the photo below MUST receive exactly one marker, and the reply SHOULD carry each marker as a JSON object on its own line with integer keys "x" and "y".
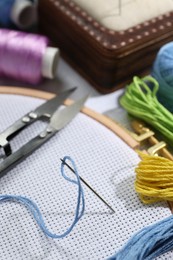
{"x": 162, "y": 71}
{"x": 21, "y": 13}
{"x": 26, "y": 57}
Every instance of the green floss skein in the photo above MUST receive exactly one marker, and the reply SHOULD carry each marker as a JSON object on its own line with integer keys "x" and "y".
{"x": 140, "y": 101}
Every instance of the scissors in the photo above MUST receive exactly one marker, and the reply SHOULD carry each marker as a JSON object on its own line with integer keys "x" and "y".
{"x": 58, "y": 119}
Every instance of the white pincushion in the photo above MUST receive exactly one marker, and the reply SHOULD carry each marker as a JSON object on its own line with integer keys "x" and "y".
{"x": 123, "y": 14}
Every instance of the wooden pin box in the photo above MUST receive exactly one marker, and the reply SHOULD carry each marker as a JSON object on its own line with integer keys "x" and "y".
{"x": 105, "y": 55}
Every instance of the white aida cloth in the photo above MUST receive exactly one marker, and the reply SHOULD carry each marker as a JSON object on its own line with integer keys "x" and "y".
{"x": 122, "y": 14}
{"x": 102, "y": 159}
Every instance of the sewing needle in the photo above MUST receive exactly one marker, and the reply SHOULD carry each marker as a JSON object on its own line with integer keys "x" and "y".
{"x": 89, "y": 187}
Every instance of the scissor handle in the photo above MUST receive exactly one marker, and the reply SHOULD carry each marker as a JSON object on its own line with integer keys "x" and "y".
{"x": 15, "y": 128}
{"x": 25, "y": 150}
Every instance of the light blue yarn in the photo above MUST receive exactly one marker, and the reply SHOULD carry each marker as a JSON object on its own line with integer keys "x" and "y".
{"x": 162, "y": 71}
{"x": 149, "y": 243}
{"x": 32, "y": 207}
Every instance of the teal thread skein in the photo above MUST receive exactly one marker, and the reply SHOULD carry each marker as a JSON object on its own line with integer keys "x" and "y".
{"x": 162, "y": 71}
{"x": 33, "y": 208}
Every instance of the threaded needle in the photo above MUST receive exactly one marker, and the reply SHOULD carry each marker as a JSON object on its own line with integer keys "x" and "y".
{"x": 89, "y": 187}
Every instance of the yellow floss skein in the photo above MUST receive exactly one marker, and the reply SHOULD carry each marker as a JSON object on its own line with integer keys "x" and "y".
{"x": 154, "y": 179}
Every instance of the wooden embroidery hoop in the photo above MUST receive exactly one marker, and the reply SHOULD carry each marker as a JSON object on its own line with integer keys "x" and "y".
{"x": 110, "y": 124}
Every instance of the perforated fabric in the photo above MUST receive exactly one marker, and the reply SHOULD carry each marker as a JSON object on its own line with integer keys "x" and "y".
{"x": 102, "y": 159}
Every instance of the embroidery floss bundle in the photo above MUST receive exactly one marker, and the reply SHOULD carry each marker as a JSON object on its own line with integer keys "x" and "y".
{"x": 21, "y": 13}
{"x": 26, "y": 57}
{"x": 154, "y": 182}
{"x": 154, "y": 179}
{"x": 162, "y": 71}
{"x": 32, "y": 207}
{"x": 140, "y": 101}
{"x": 149, "y": 243}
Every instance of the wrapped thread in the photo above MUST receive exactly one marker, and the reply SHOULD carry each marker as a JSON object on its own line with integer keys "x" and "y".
{"x": 148, "y": 243}
{"x": 23, "y": 56}
{"x": 154, "y": 182}
{"x": 162, "y": 71}
{"x": 154, "y": 175}
{"x": 154, "y": 179}
{"x": 140, "y": 100}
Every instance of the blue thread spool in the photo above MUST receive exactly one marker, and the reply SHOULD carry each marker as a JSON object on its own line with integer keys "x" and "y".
{"x": 163, "y": 72}
{"x": 19, "y": 13}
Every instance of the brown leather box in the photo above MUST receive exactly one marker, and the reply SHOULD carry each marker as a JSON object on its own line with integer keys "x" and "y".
{"x": 105, "y": 56}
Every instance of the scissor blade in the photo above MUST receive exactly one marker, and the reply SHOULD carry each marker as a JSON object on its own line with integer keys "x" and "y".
{"x": 46, "y": 109}
{"x": 68, "y": 112}
{"x": 49, "y": 107}
{"x": 62, "y": 117}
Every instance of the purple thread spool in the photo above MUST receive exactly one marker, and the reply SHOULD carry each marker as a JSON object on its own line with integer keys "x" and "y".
{"x": 26, "y": 57}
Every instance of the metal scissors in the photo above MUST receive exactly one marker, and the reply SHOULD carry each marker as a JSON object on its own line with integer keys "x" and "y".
{"x": 58, "y": 119}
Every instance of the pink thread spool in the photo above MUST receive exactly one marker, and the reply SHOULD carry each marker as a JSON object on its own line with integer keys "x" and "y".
{"x": 26, "y": 57}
